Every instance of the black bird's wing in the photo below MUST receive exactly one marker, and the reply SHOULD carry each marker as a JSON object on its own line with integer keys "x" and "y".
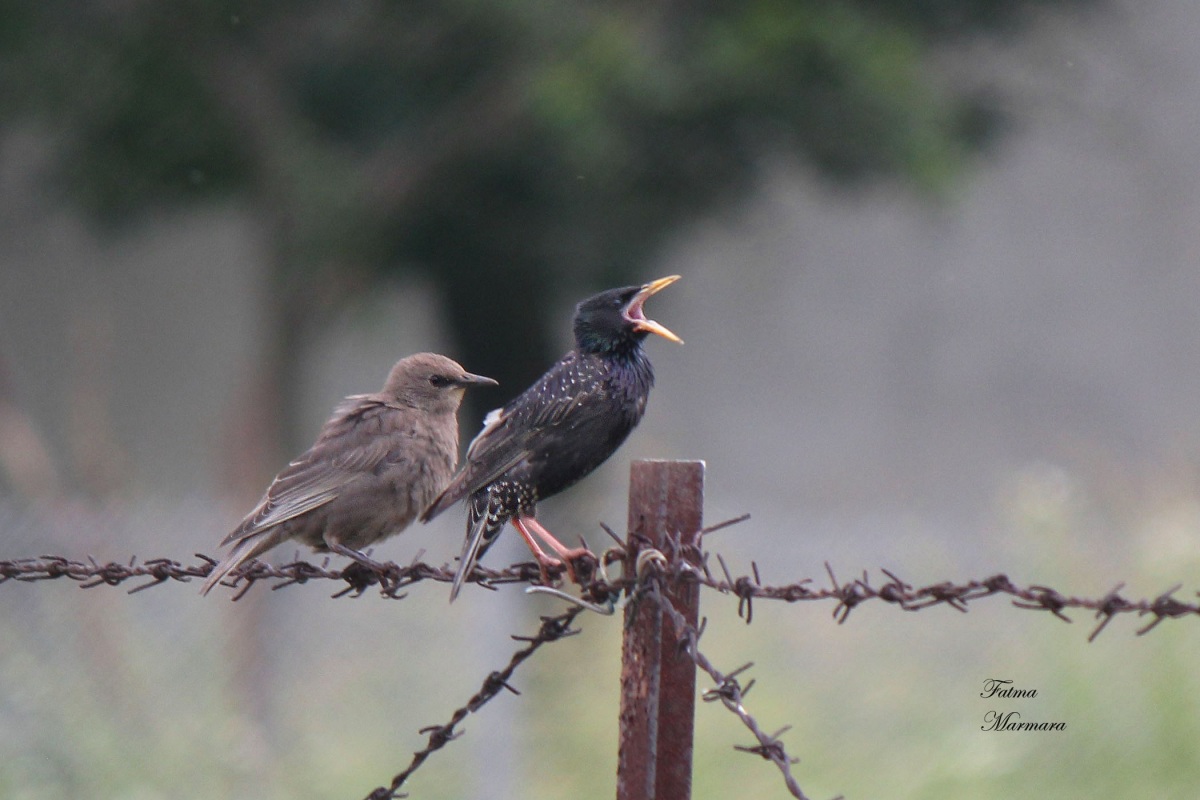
{"x": 316, "y": 477}
{"x": 521, "y": 430}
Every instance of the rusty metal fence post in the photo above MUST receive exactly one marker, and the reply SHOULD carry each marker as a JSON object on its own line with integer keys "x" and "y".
{"x": 658, "y": 682}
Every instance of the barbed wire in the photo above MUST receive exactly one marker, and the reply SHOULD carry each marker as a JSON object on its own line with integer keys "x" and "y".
{"x": 551, "y": 630}
{"x": 728, "y": 690}
{"x": 358, "y": 579}
{"x": 851, "y": 594}
{"x": 597, "y": 586}
{"x": 599, "y": 591}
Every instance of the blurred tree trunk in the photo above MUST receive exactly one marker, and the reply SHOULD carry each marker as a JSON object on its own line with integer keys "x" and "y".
{"x": 261, "y": 437}
{"x": 26, "y": 465}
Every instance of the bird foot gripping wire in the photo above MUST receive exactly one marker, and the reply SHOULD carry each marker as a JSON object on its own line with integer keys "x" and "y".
{"x": 363, "y": 572}
{"x": 360, "y": 577}
{"x": 581, "y": 565}
{"x": 591, "y": 574}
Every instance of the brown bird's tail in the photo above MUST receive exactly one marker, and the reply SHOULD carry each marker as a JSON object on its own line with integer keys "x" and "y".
{"x": 243, "y": 550}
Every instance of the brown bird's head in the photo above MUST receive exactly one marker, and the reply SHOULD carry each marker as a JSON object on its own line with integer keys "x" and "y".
{"x": 430, "y": 382}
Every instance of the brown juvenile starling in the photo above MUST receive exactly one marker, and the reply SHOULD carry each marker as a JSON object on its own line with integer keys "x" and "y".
{"x": 378, "y": 461}
{"x": 559, "y": 429}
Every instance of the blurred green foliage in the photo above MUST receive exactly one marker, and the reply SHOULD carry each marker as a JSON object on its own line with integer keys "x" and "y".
{"x": 520, "y": 149}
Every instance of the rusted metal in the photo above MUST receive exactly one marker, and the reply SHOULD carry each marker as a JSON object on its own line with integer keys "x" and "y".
{"x": 658, "y": 679}
{"x": 651, "y": 776}
{"x": 849, "y": 594}
{"x": 552, "y": 629}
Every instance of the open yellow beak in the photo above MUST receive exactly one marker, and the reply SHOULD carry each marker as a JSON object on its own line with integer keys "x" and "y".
{"x": 637, "y": 315}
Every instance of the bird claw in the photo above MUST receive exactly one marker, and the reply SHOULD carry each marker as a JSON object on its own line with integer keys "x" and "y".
{"x": 360, "y": 575}
{"x": 545, "y": 564}
{"x": 581, "y": 564}
{"x": 576, "y": 562}
{"x": 362, "y": 571}
{"x": 358, "y": 557}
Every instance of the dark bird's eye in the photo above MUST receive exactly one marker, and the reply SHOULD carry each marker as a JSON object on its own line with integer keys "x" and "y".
{"x": 438, "y": 381}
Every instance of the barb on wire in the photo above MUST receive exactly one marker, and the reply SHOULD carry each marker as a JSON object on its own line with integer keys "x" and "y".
{"x": 959, "y": 596}
{"x": 357, "y": 578}
{"x": 552, "y": 629}
{"x": 597, "y": 587}
{"x": 599, "y": 591}
{"x": 728, "y": 691}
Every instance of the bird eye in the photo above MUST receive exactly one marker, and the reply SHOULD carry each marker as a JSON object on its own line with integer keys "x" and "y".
{"x": 438, "y": 381}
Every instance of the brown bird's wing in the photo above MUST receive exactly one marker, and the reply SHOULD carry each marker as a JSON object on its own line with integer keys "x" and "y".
{"x": 515, "y": 433}
{"x": 317, "y": 476}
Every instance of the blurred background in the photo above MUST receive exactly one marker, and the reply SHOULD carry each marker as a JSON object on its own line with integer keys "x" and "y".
{"x": 939, "y": 279}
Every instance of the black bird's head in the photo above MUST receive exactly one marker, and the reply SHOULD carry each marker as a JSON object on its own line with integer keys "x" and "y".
{"x": 614, "y": 322}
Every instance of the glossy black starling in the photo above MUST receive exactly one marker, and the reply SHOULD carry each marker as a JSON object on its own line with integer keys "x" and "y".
{"x": 378, "y": 461}
{"x": 559, "y": 429}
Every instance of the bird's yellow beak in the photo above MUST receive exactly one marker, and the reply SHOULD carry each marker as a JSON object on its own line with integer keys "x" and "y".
{"x": 637, "y": 315}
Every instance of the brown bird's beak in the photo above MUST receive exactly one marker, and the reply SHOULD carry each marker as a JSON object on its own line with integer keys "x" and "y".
{"x": 471, "y": 379}
{"x": 635, "y": 313}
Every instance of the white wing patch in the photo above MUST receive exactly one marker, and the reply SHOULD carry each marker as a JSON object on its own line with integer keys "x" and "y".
{"x": 492, "y": 418}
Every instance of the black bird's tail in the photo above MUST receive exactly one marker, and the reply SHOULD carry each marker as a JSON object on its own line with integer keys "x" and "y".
{"x": 483, "y": 526}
